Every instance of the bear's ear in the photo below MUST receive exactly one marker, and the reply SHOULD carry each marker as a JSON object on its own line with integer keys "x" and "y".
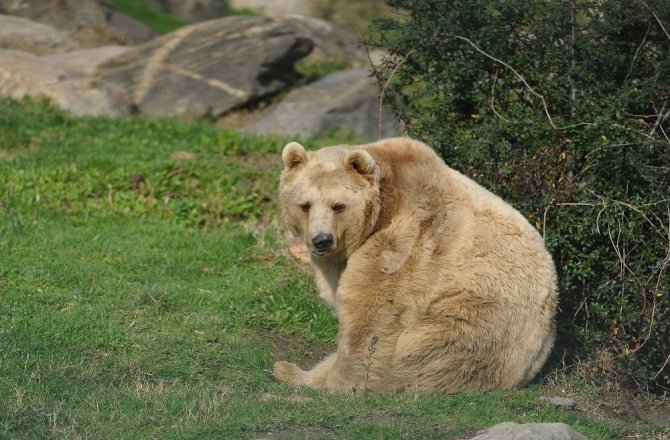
{"x": 293, "y": 155}
{"x": 361, "y": 162}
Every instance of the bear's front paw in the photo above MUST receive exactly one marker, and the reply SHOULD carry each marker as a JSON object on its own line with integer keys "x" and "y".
{"x": 289, "y": 372}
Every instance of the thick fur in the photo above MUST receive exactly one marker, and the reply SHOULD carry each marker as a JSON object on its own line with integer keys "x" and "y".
{"x": 438, "y": 284}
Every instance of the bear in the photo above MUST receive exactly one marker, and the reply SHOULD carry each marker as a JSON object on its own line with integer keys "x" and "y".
{"x": 438, "y": 285}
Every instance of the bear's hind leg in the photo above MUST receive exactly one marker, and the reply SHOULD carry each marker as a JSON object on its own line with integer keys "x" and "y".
{"x": 441, "y": 355}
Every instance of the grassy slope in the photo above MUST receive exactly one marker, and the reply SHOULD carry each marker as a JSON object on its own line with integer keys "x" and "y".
{"x": 141, "y": 295}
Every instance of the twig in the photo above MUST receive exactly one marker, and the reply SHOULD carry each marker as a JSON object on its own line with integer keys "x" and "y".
{"x": 637, "y": 51}
{"x": 624, "y": 144}
{"x": 666, "y": 261}
{"x": 665, "y": 135}
{"x": 662, "y": 367}
{"x": 493, "y": 88}
{"x": 518, "y": 75}
{"x": 661, "y": 118}
{"x": 660, "y": 23}
{"x": 573, "y": 61}
{"x": 622, "y": 259}
{"x": 383, "y": 91}
{"x": 110, "y": 195}
{"x": 367, "y": 365}
{"x": 576, "y": 204}
{"x": 175, "y": 172}
{"x": 631, "y": 207}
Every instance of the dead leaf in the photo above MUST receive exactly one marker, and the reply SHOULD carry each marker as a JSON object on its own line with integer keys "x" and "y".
{"x": 298, "y": 249}
{"x": 183, "y": 155}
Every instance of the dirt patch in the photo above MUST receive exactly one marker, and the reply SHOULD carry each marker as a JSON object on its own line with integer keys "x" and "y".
{"x": 626, "y": 410}
{"x": 640, "y": 415}
{"x": 269, "y": 397}
{"x": 300, "y": 433}
{"x": 9, "y": 155}
{"x": 305, "y": 353}
{"x": 383, "y": 419}
{"x": 312, "y": 432}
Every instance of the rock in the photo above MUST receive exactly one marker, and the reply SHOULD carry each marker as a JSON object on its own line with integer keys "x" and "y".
{"x": 23, "y": 74}
{"x": 344, "y": 100}
{"x": 331, "y": 42}
{"x": 530, "y": 431}
{"x": 89, "y": 21}
{"x": 191, "y": 10}
{"x": 86, "y": 60}
{"x": 274, "y": 7}
{"x": 563, "y": 402}
{"x": 124, "y": 29}
{"x": 27, "y": 35}
{"x": 209, "y": 68}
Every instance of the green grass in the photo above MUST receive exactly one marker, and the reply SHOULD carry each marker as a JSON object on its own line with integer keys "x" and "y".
{"x": 146, "y": 13}
{"x": 151, "y": 307}
{"x": 229, "y": 10}
{"x": 162, "y": 22}
{"x": 318, "y": 69}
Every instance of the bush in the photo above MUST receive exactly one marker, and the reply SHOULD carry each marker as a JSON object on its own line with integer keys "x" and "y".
{"x": 563, "y": 108}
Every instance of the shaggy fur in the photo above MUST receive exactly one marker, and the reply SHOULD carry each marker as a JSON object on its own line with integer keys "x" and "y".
{"x": 438, "y": 284}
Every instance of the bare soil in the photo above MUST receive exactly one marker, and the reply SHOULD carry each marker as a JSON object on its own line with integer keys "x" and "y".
{"x": 305, "y": 354}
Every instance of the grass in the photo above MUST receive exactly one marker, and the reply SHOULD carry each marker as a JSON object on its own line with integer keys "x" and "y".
{"x": 142, "y": 11}
{"x": 162, "y": 22}
{"x": 314, "y": 70}
{"x": 145, "y": 292}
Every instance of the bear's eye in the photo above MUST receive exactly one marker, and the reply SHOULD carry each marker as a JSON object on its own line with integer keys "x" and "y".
{"x": 338, "y": 207}
{"x": 305, "y": 206}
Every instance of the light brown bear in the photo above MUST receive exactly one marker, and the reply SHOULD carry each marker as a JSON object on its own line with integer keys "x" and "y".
{"x": 438, "y": 284}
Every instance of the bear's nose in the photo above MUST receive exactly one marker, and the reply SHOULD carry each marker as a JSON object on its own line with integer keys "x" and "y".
{"x": 322, "y": 242}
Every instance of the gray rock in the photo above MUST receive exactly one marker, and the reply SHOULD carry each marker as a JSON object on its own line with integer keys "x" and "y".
{"x": 530, "y": 431}
{"x": 89, "y": 20}
{"x": 330, "y": 42}
{"x": 86, "y": 60}
{"x": 191, "y": 10}
{"x": 23, "y": 74}
{"x": 208, "y": 68}
{"x": 562, "y": 402}
{"x": 38, "y": 38}
{"x": 343, "y": 100}
{"x": 274, "y": 7}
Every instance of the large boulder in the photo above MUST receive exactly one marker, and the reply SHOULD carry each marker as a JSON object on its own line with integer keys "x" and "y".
{"x": 23, "y": 74}
{"x": 38, "y": 38}
{"x": 90, "y": 22}
{"x": 85, "y": 61}
{"x": 346, "y": 100}
{"x": 530, "y": 431}
{"x": 209, "y": 68}
{"x": 330, "y": 42}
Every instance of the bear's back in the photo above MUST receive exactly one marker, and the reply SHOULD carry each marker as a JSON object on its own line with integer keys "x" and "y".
{"x": 412, "y": 167}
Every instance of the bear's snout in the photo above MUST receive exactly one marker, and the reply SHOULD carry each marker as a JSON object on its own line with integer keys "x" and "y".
{"x": 322, "y": 243}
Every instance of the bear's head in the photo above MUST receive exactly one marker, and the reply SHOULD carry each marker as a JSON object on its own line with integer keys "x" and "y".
{"x": 330, "y": 197}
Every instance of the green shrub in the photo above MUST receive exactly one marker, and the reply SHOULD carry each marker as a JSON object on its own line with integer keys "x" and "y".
{"x": 563, "y": 108}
